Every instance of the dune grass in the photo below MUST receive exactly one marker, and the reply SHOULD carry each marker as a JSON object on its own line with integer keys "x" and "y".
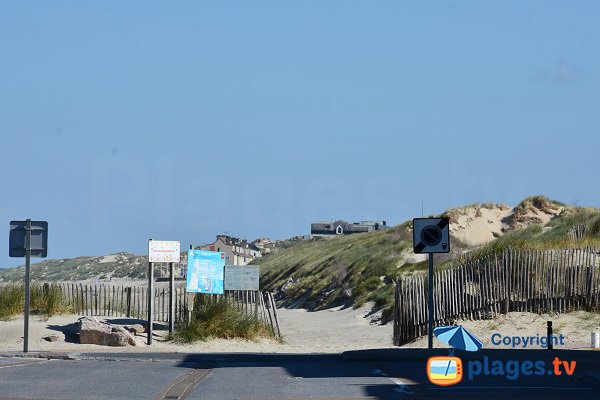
{"x": 43, "y": 301}
{"x": 355, "y": 269}
{"x": 336, "y": 271}
{"x": 554, "y": 235}
{"x": 220, "y": 318}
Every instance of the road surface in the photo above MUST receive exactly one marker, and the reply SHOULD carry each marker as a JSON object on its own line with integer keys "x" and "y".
{"x": 263, "y": 376}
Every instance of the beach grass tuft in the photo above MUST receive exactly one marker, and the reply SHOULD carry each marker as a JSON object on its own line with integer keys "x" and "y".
{"x": 44, "y": 300}
{"x": 220, "y": 318}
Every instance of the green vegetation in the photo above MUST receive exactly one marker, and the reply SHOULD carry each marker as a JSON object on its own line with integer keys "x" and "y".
{"x": 352, "y": 270}
{"x": 81, "y": 268}
{"x": 347, "y": 270}
{"x": 540, "y": 202}
{"x": 553, "y": 235}
{"x": 355, "y": 269}
{"x": 43, "y": 301}
{"x": 221, "y": 319}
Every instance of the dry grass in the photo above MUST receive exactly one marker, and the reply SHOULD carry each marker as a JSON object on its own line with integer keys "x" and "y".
{"x": 346, "y": 270}
{"x": 221, "y": 319}
{"x": 43, "y": 301}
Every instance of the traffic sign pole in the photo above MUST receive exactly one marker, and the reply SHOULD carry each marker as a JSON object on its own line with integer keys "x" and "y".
{"x": 150, "y": 299}
{"x": 171, "y": 298}
{"x": 27, "y": 291}
{"x": 27, "y": 239}
{"x": 430, "y": 302}
{"x": 431, "y": 235}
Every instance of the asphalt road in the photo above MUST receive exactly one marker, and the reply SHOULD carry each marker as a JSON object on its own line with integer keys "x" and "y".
{"x": 252, "y": 376}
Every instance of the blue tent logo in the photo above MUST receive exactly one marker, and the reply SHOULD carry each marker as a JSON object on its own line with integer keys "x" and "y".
{"x": 458, "y": 337}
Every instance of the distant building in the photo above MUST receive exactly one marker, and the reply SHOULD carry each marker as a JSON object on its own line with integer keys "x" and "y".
{"x": 339, "y": 227}
{"x": 237, "y": 251}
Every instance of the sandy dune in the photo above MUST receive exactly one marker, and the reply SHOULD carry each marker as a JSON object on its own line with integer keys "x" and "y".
{"x": 476, "y": 226}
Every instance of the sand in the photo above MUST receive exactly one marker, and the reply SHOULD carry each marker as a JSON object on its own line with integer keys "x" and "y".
{"x": 576, "y": 329}
{"x": 477, "y": 226}
{"x": 329, "y": 331}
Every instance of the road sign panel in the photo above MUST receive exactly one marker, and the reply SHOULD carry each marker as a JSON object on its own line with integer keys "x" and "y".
{"x": 431, "y": 235}
{"x": 163, "y": 251}
{"x": 18, "y": 237}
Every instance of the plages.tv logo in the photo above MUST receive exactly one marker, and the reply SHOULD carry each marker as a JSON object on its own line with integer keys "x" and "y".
{"x": 444, "y": 371}
{"x": 448, "y": 370}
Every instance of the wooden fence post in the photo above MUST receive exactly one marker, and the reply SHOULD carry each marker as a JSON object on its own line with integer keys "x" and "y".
{"x": 128, "y": 301}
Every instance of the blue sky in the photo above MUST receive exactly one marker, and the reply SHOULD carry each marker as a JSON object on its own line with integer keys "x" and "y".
{"x": 123, "y": 121}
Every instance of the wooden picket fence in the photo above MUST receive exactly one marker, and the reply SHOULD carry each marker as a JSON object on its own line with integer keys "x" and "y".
{"x": 132, "y": 302}
{"x": 552, "y": 281}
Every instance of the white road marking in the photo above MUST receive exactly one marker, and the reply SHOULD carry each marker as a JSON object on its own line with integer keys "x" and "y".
{"x": 21, "y": 364}
{"x": 402, "y": 387}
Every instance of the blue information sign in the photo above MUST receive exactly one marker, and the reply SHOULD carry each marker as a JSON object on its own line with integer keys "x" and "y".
{"x": 205, "y": 272}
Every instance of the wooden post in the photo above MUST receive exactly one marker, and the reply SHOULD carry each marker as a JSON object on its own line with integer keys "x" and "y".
{"x": 84, "y": 297}
{"x": 275, "y": 313}
{"x": 256, "y": 294}
{"x": 75, "y": 298}
{"x": 507, "y": 277}
{"x": 268, "y": 307}
{"x": 190, "y": 303}
{"x": 128, "y": 302}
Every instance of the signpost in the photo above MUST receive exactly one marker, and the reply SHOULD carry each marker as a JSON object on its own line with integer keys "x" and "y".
{"x": 205, "y": 272}
{"x": 431, "y": 235}
{"x": 28, "y": 239}
{"x": 242, "y": 277}
{"x": 162, "y": 251}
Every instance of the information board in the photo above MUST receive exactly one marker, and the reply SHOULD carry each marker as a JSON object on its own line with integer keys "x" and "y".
{"x": 241, "y": 277}
{"x": 163, "y": 251}
{"x": 205, "y": 272}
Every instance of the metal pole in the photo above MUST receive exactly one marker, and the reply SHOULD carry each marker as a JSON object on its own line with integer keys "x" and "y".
{"x": 171, "y": 297}
{"x": 190, "y": 297}
{"x": 430, "y": 302}
{"x": 150, "y": 300}
{"x": 27, "y": 292}
{"x": 549, "y": 335}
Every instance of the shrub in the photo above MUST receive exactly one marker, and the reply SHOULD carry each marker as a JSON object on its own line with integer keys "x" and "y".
{"x": 594, "y": 229}
{"x": 45, "y": 301}
{"x": 221, "y": 319}
{"x": 12, "y": 299}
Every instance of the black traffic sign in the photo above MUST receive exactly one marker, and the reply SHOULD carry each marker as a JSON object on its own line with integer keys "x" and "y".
{"x": 431, "y": 235}
{"x": 18, "y": 239}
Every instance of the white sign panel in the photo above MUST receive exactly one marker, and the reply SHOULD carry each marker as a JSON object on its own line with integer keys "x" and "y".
{"x": 162, "y": 251}
{"x": 241, "y": 277}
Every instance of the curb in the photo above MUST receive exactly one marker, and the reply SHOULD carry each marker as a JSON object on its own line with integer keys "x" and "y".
{"x": 41, "y": 355}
